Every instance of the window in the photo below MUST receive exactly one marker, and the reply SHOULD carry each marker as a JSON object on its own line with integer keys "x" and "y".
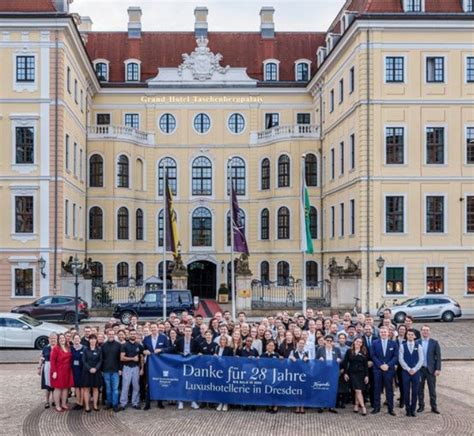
{"x": 68, "y": 79}
{"x": 468, "y": 6}
{"x": 283, "y": 219}
{"x": 81, "y": 158}
{"x": 271, "y": 72}
{"x": 202, "y": 176}
{"x": 122, "y": 223}
{"x": 132, "y": 120}
{"x": 265, "y": 272}
{"x": 302, "y": 72}
{"x": 265, "y": 175}
{"x": 202, "y": 123}
{"x": 122, "y": 274}
{"x": 435, "y": 145}
{"x": 332, "y": 163}
{"x": 24, "y": 145}
{"x": 236, "y": 123}
{"x": 470, "y": 145}
{"x": 394, "y": 214}
{"x": 394, "y": 145}
{"x": 103, "y": 119}
{"x": 265, "y": 224}
{"x": 435, "y": 280}
{"x": 96, "y": 171}
{"x": 283, "y": 171}
{"x": 313, "y": 222}
{"x": 341, "y": 158}
{"x": 170, "y": 165}
{"x": 470, "y": 280}
{"x": 470, "y": 213}
{"x": 139, "y": 221}
{"x": 434, "y": 214}
{"x": 413, "y": 5}
{"x": 394, "y": 281}
{"x": 66, "y": 152}
{"x": 139, "y": 273}
{"x": 272, "y": 120}
{"x": 101, "y": 71}
{"x": 311, "y": 170}
{"x": 352, "y": 216}
{"x": 74, "y": 220}
{"x": 237, "y": 170}
{"x": 351, "y": 80}
{"x": 394, "y": 69}
{"x": 240, "y": 224}
{"x": 167, "y": 123}
{"x": 97, "y": 273}
{"x": 352, "y": 151}
{"x": 75, "y": 90}
{"x": 333, "y": 223}
{"x": 74, "y": 159}
{"x": 82, "y": 101}
{"x": 24, "y": 214}
{"x": 283, "y": 273}
{"x": 160, "y": 228}
{"x": 202, "y": 227}
{"x": 331, "y": 101}
{"x": 139, "y": 175}
{"x": 123, "y": 172}
{"x": 311, "y": 273}
{"x": 303, "y": 118}
{"x": 470, "y": 69}
{"x": 66, "y": 217}
{"x": 435, "y": 69}
{"x": 96, "y": 223}
{"x": 25, "y": 69}
{"x": 341, "y": 220}
{"x": 133, "y": 72}
{"x": 23, "y": 282}
{"x": 341, "y": 91}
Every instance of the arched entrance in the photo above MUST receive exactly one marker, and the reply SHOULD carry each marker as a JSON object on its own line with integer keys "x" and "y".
{"x": 202, "y": 279}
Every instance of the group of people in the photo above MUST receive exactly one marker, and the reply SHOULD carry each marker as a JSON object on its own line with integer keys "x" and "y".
{"x": 109, "y": 364}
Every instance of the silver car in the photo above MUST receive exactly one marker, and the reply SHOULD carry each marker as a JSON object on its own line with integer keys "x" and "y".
{"x": 21, "y": 331}
{"x": 427, "y": 307}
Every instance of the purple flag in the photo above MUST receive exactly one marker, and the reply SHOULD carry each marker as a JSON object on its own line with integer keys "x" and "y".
{"x": 240, "y": 243}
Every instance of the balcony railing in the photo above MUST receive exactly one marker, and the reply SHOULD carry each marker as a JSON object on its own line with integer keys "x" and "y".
{"x": 106, "y": 131}
{"x": 286, "y": 132}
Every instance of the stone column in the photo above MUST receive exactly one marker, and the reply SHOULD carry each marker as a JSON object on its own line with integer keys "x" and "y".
{"x": 243, "y": 280}
{"x": 179, "y": 275}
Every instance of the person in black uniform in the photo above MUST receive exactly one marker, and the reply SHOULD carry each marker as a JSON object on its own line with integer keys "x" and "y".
{"x": 173, "y": 343}
{"x": 247, "y": 350}
{"x": 269, "y": 353}
{"x": 77, "y": 351}
{"x": 208, "y": 346}
{"x": 287, "y": 346}
{"x": 356, "y": 370}
{"x": 91, "y": 374}
{"x": 223, "y": 349}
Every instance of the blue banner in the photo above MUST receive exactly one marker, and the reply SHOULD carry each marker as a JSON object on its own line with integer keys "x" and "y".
{"x": 239, "y": 380}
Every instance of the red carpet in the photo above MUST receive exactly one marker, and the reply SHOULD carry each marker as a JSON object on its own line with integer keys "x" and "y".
{"x": 207, "y": 308}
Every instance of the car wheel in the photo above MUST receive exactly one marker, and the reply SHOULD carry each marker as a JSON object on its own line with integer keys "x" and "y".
{"x": 41, "y": 342}
{"x": 447, "y": 316}
{"x": 400, "y": 317}
{"x": 125, "y": 317}
{"x": 70, "y": 318}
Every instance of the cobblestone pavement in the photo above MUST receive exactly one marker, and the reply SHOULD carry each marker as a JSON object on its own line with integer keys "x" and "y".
{"x": 22, "y": 413}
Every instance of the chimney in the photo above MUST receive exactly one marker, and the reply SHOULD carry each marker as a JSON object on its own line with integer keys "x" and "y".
{"x": 200, "y": 24}
{"x": 267, "y": 25}
{"x": 134, "y": 22}
{"x": 85, "y": 25}
{"x": 62, "y": 5}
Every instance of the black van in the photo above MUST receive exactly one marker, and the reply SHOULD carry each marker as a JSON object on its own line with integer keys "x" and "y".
{"x": 151, "y": 305}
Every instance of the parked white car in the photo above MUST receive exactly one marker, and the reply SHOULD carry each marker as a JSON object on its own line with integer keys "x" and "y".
{"x": 21, "y": 331}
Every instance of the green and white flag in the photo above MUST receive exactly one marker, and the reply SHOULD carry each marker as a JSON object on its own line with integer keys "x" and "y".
{"x": 306, "y": 240}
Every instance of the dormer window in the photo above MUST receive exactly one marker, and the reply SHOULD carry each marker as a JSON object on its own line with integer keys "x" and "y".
{"x": 302, "y": 70}
{"x": 414, "y": 5}
{"x": 468, "y": 5}
{"x": 321, "y": 55}
{"x": 132, "y": 70}
{"x": 271, "y": 70}
{"x": 102, "y": 71}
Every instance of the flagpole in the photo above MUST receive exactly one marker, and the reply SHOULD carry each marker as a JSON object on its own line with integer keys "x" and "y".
{"x": 164, "y": 269}
{"x": 231, "y": 212}
{"x": 303, "y": 210}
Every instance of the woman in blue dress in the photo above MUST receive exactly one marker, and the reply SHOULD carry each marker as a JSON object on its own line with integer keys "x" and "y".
{"x": 77, "y": 350}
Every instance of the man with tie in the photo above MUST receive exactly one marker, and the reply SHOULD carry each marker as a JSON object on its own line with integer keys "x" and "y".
{"x": 430, "y": 370}
{"x": 186, "y": 346}
{"x": 384, "y": 354}
{"x": 367, "y": 339}
{"x": 411, "y": 360}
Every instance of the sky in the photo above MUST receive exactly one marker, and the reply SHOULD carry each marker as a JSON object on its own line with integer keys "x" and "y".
{"x": 243, "y": 15}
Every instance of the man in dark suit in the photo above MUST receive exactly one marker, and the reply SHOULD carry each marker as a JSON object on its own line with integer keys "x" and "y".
{"x": 186, "y": 346}
{"x": 384, "y": 354}
{"x": 430, "y": 370}
{"x": 368, "y": 339}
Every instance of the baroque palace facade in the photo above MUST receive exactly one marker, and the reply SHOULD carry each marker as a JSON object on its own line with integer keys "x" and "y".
{"x": 376, "y": 113}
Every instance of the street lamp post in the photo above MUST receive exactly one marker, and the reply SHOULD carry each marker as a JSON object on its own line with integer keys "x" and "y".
{"x": 76, "y": 269}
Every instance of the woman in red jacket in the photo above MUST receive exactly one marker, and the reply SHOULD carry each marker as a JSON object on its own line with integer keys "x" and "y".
{"x": 61, "y": 373}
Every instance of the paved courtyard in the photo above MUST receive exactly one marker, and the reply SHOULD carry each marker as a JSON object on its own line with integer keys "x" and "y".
{"x": 22, "y": 413}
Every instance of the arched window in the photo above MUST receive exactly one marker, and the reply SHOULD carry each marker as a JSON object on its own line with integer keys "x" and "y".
{"x": 311, "y": 170}
{"x": 283, "y": 223}
{"x": 265, "y": 272}
{"x": 101, "y": 71}
{"x": 302, "y": 72}
{"x": 139, "y": 175}
{"x": 271, "y": 72}
{"x": 96, "y": 171}
{"x": 265, "y": 174}
{"x": 96, "y": 225}
{"x": 236, "y": 123}
{"x": 202, "y": 227}
{"x": 97, "y": 273}
{"x": 283, "y": 273}
{"x": 240, "y": 220}
{"x": 122, "y": 274}
{"x": 122, "y": 223}
{"x": 202, "y": 123}
{"x": 167, "y": 123}
{"x": 311, "y": 273}
{"x": 283, "y": 171}
{"x": 169, "y": 270}
{"x": 123, "y": 172}
{"x": 139, "y": 273}
{"x": 237, "y": 169}
{"x": 139, "y": 225}
{"x": 170, "y": 165}
{"x": 313, "y": 222}
{"x": 202, "y": 176}
{"x": 133, "y": 72}
{"x": 160, "y": 228}
{"x": 265, "y": 224}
